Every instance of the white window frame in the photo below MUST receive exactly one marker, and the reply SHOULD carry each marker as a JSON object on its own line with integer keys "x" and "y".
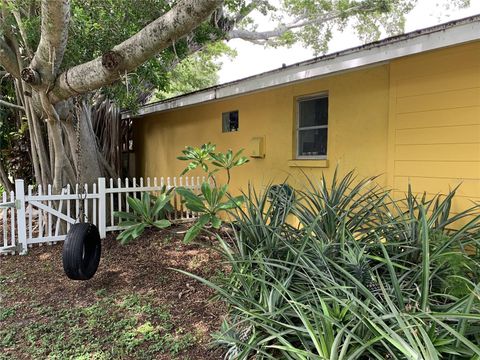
{"x": 298, "y": 128}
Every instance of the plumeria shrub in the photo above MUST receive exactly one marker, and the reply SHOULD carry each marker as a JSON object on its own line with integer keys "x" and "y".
{"x": 213, "y": 198}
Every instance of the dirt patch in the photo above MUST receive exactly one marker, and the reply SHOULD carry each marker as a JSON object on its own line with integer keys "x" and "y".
{"x": 34, "y": 290}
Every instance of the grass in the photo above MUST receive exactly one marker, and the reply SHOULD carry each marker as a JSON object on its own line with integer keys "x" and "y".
{"x": 109, "y": 328}
{"x": 6, "y": 313}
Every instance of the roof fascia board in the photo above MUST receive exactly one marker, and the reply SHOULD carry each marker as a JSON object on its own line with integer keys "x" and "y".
{"x": 428, "y": 42}
{"x": 460, "y": 34}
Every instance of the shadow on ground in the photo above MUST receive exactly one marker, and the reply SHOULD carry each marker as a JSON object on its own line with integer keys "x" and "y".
{"x": 135, "y": 307}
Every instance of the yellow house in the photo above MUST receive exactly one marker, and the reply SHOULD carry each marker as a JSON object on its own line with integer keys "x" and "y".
{"x": 406, "y": 108}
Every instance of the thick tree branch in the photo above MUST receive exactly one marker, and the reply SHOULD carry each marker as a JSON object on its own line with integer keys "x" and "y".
{"x": 53, "y": 41}
{"x": 158, "y": 35}
{"x": 263, "y": 37}
{"x": 8, "y": 59}
{"x": 258, "y": 36}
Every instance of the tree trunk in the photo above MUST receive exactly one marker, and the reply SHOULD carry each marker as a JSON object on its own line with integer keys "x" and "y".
{"x": 89, "y": 167}
{"x": 54, "y": 148}
{"x": 5, "y": 181}
{"x": 41, "y": 88}
{"x": 37, "y": 138}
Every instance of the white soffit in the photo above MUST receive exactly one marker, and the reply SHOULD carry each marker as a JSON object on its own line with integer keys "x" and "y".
{"x": 404, "y": 45}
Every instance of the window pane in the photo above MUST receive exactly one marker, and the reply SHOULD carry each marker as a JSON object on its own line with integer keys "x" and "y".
{"x": 230, "y": 121}
{"x": 313, "y": 112}
{"x": 312, "y": 142}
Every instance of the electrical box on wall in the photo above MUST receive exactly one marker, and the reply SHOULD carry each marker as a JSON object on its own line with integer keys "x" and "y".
{"x": 256, "y": 147}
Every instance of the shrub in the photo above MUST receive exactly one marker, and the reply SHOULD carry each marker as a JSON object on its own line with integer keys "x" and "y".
{"x": 209, "y": 203}
{"x": 363, "y": 276}
{"x": 149, "y": 211}
{"x": 212, "y": 200}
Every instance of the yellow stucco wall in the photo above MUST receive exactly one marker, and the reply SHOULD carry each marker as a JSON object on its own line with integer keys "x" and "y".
{"x": 434, "y": 136}
{"x": 414, "y": 120}
{"x": 357, "y": 138}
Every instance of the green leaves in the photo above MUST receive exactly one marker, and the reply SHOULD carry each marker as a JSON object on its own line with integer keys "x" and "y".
{"x": 211, "y": 199}
{"x": 194, "y": 231}
{"x": 149, "y": 211}
{"x": 228, "y": 160}
{"x": 197, "y": 157}
{"x": 205, "y": 155}
{"x": 209, "y": 203}
{"x": 362, "y": 277}
{"x": 425, "y": 241}
{"x": 193, "y": 202}
{"x": 133, "y": 231}
{"x": 162, "y": 224}
{"x": 96, "y": 26}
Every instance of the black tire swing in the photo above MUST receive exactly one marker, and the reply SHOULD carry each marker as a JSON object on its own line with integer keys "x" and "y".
{"x": 81, "y": 251}
{"x": 82, "y": 247}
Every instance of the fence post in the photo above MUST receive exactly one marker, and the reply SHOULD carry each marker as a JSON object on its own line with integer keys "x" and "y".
{"x": 102, "y": 209}
{"x": 21, "y": 223}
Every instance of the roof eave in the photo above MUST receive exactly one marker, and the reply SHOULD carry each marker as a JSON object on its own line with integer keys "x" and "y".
{"x": 437, "y": 37}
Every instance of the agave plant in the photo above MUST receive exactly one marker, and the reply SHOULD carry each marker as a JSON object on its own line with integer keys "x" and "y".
{"x": 364, "y": 276}
{"x": 344, "y": 204}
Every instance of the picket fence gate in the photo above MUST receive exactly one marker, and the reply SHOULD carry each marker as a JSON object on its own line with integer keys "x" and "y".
{"x": 39, "y": 216}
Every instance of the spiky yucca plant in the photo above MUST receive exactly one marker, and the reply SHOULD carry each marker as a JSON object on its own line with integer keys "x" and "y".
{"x": 364, "y": 276}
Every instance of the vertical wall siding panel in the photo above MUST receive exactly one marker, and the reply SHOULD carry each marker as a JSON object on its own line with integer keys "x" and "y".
{"x": 439, "y": 101}
{"x": 447, "y": 60}
{"x": 438, "y": 169}
{"x": 438, "y": 185}
{"x": 456, "y": 79}
{"x": 435, "y": 123}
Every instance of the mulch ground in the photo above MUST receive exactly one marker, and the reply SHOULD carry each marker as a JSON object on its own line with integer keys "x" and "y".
{"x": 142, "y": 267}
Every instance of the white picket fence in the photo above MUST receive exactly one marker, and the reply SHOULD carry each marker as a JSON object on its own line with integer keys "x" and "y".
{"x": 7, "y": 220}
{"x": 39, "y": 216}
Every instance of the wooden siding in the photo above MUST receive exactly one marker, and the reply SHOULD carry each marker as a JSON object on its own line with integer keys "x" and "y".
{"x": 434, "y": 123}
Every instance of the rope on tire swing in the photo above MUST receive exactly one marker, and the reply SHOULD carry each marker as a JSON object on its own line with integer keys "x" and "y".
{"x": 82, "y": 247}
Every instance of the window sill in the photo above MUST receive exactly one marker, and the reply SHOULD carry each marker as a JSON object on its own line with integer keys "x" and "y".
{"x": 320, "y": 163}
